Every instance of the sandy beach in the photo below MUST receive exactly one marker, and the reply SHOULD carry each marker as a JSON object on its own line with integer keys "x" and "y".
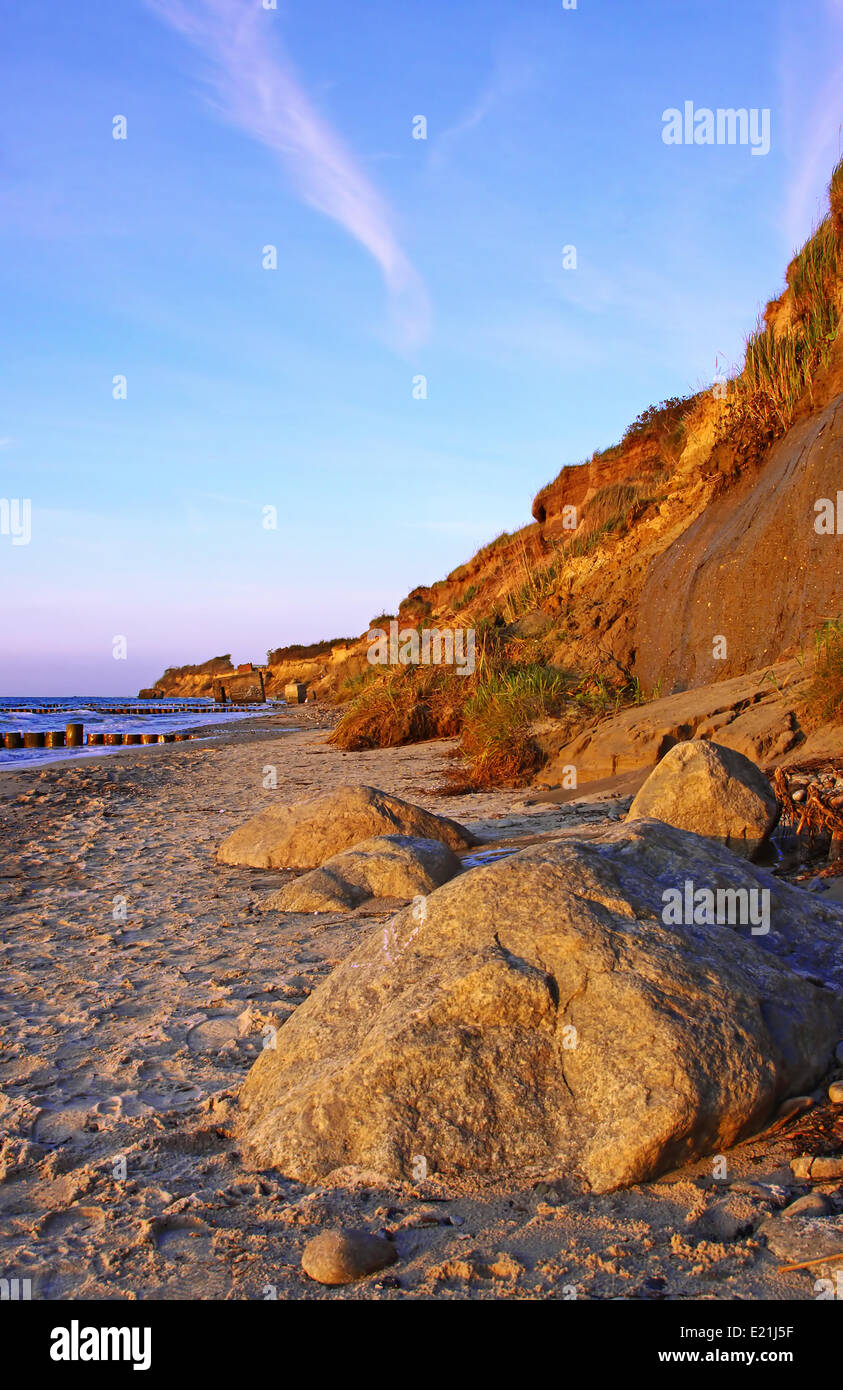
{"x": 138, "y": 975}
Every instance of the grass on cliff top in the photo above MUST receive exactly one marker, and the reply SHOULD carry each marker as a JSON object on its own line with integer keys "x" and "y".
{"x": 298, "y": 651}
{"x": 780, "y": 368}
{"x": 491, "y": 710}
{"x": 824, "y": 700}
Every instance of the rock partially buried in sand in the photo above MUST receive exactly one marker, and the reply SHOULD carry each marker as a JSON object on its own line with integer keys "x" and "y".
{"x": 304, "y": 835}
{"x": 713, "y": 791}
{"x": 813, "y": 1205}
{"x": 819, "y": 1168}
{"x": 387, "y": 866}
{"x": 340, "y": 1257}
{"x": 795, "y": 1238}
{"x": 543, "y": 1013}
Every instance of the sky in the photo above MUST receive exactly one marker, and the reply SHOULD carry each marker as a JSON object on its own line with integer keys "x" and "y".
{"x": 222, "y": 454}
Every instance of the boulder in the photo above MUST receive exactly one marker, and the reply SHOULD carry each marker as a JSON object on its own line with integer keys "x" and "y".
{"x": 753, "y": 714}
{"x": 340, "y": 1257}
{"x": 542, "y": 1014}
{"x": 712, "y": 791}
{"x": 387, "y": 866}
{"x": 304, "y": 835}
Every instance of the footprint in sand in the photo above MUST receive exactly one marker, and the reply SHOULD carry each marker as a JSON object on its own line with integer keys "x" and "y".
{"x": 214, "y": 1034}
{"x": 108, "y": 1111}
{"x": 80, "y": 1222}
{"x": 53, "y": 1127}
{"x": 182, "y": 1237}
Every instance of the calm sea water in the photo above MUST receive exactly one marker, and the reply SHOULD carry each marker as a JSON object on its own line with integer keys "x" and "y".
{"x": 87, "y": 710}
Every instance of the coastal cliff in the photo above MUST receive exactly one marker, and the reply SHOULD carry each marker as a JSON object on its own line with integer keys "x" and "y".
{"x": 704, "y": 545}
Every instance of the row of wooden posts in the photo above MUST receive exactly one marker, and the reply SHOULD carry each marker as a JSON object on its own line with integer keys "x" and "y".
{"x": 74, "y": 737}
{"x": 129, "y": 709}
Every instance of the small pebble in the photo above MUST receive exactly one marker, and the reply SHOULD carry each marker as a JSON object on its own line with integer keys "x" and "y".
{"x": 835, "y": 1092}
{"x": 340, "y": 1257}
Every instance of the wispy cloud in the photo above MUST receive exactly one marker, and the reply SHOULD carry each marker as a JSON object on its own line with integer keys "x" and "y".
{"x": 510, "y": 78}
{"x": 256, "y": 88}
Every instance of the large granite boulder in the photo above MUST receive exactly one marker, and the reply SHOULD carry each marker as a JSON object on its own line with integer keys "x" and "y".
{"x": 387, "y": 866}
{"x": 549, "y": 1011}
{"x": 304, "y": 835}
{"x": 712, "y": 791}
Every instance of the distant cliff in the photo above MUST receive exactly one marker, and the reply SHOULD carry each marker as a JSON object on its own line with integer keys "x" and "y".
{"x": 309, "y": 664}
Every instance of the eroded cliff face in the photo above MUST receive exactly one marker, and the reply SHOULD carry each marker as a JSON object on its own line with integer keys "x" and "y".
{"x": 752, "y": 569}
{"x": 714, "y": 567}
{"x": 691, "y": 552}
{"x": 717, "y": 569}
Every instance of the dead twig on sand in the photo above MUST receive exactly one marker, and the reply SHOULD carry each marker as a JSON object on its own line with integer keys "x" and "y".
{"x": 809, "y": 1264}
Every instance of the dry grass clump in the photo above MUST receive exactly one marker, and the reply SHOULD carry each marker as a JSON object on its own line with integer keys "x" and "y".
{"x": 824, "y": 697}
{"x": 612, "y": 510}
{"x": 497, "y": 744}
{"x": 492, "y": 710}
{"x": 407, "y": 705}
{"x": 835, "y": 199}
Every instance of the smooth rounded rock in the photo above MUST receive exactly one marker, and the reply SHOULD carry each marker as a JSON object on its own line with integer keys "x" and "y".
{"x": 835, "y": 1092}
{"x": 814, "y": 1204}
{"x": 713, "y": 791}
{"x": 387, "y": 866}
{"x": 340, "y": 1257}
{"x": 304, "y": 835}
{"x": 544, "y": 1012}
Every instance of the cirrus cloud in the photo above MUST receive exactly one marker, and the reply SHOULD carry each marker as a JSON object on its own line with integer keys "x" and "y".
{"x": 256, "y": 89}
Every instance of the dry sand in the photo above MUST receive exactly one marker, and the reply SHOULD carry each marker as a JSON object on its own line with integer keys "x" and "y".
{"x": 123, "y": 1043}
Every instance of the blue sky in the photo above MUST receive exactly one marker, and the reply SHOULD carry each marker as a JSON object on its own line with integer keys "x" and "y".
{"x": 292, "y": 388}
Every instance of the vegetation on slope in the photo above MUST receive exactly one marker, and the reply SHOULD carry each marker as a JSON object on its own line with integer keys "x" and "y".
{"x": 783, "y": 358}
{"x": 532, "y": 571}
{"x": 492, "y": 710}
{"x": 825, "y": 692}
{"x": 280, "y": 656}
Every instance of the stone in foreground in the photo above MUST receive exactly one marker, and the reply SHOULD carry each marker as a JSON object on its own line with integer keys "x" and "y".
{"x": 797, "y": 1238}
{"x": 713, "y": 791}
{"x": 542, "y": 1014}
{"x": 304, "y": 835}
{"x": 340, "y": 1257}
{"x": 387, "y": 866}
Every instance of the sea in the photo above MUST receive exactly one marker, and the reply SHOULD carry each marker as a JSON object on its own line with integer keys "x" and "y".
{"x": 95, "y": 712}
